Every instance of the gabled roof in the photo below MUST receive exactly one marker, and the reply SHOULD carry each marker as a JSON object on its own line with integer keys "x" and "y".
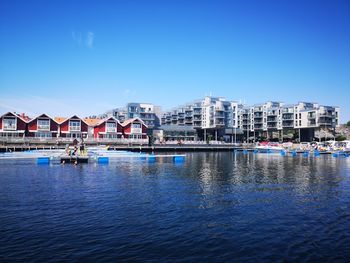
{"x": 127, "y": 122}
{"x": 93, "y": 122}
{"x": 60, "y": 120}
{"x": 96, "y": 122}
{"x": 26, "y": 120}
{"x": 44, "y": 114}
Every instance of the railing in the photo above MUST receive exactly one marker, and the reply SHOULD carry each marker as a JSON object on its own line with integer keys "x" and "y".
{"x": 69, "y": 140}
{"x": 43, "y": 127}
{"x": 74, "y": 128}
{"x": 9, "y": 127}
{"x": 111, "y": 129}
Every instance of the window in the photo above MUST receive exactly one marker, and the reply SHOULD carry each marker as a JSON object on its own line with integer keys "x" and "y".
{"x": 299, "y": 123}
{"x": 136, "y": 125}
{"x": 9, "y": 123}
{"x": 43, "y": 135}
{"x": 74, "y": 125}
{"x": 111, "y": 126}
{"x": 44, "y": 125}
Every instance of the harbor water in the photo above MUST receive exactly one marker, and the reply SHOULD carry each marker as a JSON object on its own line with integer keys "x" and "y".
{"x": 212, "y": 206}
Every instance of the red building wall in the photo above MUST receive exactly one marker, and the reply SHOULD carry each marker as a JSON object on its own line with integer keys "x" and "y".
{"x": 53, "y": 126}
{"x": 21, "y": 125}
{"x": 84, "y": 127}
{"x": 64, "y": 126}
{"x": 127, "y": 128}
{"x": 32, "y": 126}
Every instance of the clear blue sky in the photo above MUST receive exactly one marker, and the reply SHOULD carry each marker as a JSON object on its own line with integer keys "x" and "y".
{"x": 86, "y": 57}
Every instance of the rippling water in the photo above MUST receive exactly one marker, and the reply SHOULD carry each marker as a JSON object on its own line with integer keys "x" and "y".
{"x": 213, "y": 207}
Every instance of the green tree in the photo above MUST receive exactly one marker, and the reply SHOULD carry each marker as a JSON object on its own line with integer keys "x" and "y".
{"x": 340, "y": 138}
{"x": 348, "y": 124}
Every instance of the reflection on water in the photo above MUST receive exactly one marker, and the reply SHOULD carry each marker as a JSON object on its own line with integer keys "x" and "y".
{"x": 215, "y": 206}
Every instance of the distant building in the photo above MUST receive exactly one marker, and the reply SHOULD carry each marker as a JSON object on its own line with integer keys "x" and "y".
{"x": 13, "y": 125}
{"x": 147, "y": 112}
{"x": 215, "y": 117}
{"x": 210, "y": 117}
{"x": 43, "y": 126}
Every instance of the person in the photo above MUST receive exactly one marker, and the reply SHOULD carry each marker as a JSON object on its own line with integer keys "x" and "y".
{"x": 82, "y": 146}
{"x": 75, "y": 150}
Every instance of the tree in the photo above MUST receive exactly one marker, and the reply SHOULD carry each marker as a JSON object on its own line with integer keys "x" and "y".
{"x": 340, "y": 138}
{"x": 348, "y": 124}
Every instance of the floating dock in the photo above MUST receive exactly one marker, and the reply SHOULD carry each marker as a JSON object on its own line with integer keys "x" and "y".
{"x": 100, "y": 157}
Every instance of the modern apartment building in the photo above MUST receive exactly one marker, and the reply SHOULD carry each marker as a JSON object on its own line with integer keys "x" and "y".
{"x": 217, "y": 117}
{"x": 213, "y": 117}
{"x": 147, "y": 112}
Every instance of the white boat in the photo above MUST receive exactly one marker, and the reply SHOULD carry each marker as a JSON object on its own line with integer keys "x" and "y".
{"x": 269, "y": 148}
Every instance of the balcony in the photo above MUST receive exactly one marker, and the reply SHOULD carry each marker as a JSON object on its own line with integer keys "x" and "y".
{"x": 311, "y": 123}
{"x": 288, "y": 124}
{"x": 271, "y": 119}
{"x": 287, "y": 116}
{"x": 111, "y": 129}
{"x": 43, "y": 127}
{"x": 271, "y": 113}
{"x": 75, "y": 128}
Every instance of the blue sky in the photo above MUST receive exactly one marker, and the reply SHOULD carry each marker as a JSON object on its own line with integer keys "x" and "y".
{"x": 85, "y": 57}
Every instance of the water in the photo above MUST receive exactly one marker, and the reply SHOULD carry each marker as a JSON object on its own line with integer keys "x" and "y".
{"x": 214, "y": 207}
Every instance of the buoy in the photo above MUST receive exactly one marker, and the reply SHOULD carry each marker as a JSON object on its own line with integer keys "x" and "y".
{"x": 283, "y": 153}
{"x": 179, "y": 159}
{"x": 335, "y": 154}
{"x": 294, "y": 153}
{"x": 151, "y": 158}
{"x": 256, "y": 151}
{"x": 43, "y": 160}
{"x": 305, "y": 154}
{"x": 103, "y": 160}
{"x": 245, "y": 151}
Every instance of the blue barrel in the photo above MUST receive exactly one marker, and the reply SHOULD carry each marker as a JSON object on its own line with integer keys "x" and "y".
{"x": 102, "y": 160}
{"x": 283, "y": 153}
{"x": 179, "y": 159}
{"x": 245, "y": 151}
{"x": 256, "y": 151}
{"x": 316, "y": 153}
{"x": 294, "y": 153}
{"x": 43, "y": 160}
{"x": 151, "y": 158}
{"x": 335, "y": 154}
{"x": 305, "y": 154}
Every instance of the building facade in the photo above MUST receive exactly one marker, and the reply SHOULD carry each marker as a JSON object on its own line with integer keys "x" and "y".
{"x": 218, "y": 118}
{"x": 147, "y": 112}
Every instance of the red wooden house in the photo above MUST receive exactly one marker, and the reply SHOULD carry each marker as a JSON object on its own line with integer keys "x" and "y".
{"x": 73, "y": 127}
{"x": 134, "y": 129}
{"x": 13, "y": 125}
{"x": 43, "y": 126}
{"x": 108, "y": 128}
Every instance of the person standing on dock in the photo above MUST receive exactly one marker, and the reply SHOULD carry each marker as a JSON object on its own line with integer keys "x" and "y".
{"x": 82, "y": 147}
